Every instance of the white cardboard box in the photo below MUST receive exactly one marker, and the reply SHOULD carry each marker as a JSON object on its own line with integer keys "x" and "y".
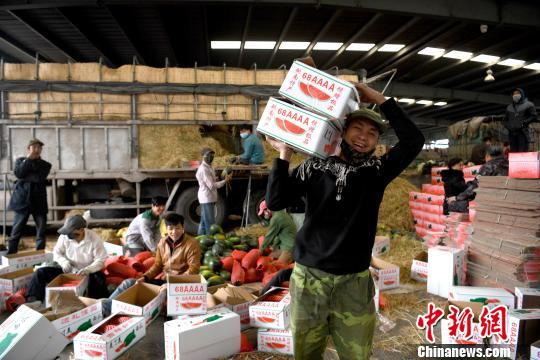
{"x": 527, "y": 298}
{"x": 213, "y": 335}
{"x": 141, "y": 300}
{"x": 186, "y": 295}
{"x": 81, "y": 320}
{"x": 307, "y": 132}
{"x": 535, "y": 350}
{"x": 275, "y": 341}
{"x": 483, "y": 295}
{"x": 523, "y": 327}
{"x": 419, "y": 267}
{"x": 111, "y": 344}
{"x": 14, "y": 281}
{"x": 264, "y": 313}
{"x": 113, "y": 248}
{"x": 460, "y": 339}
{"x": 316, "y": 90}
{"x": 445, "y": 268}
{"x": 56, "y": 285}
{"x": 26, "y": 259}
{"x": 27, "y": 334}
{"x": 385, "y": 274}
{"x": 237, "y": 299}
{"x": 381, "y": 245}
{"x": 376, "y": 298}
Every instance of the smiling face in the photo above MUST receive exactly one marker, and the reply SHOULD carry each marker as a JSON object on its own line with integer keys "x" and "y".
{"x": 362, "y": 135}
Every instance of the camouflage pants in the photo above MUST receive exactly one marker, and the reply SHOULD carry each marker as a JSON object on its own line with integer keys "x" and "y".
{"x": 340, "y": 306}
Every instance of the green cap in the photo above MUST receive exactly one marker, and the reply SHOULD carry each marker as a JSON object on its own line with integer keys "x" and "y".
{"x": 365, "y": 113}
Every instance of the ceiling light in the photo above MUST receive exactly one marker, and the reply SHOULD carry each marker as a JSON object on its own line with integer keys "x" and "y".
{"x": 225, "y": 44}
{"x": 511, "y": 62}
{"x": 391, "y": 47}
{"x": 431, "y": 51}
{"x": 424, "y": 102}
{"x": 533, "y": 66}
{"x": 489, "y": 76}
{"x": 460, "y": 55}
{"x": 488, "y": 59}
{"x": 259, "y": 45}
{"x": 327, "y": 46}
{"x": 294, "y": 45}
{"x": 407, "y": 100}
{"x": 360, "y": 47}
{"x": 440, "y": 103}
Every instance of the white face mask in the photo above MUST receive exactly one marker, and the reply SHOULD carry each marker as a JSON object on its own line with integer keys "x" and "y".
{"x": 516, "y": 98}
{"x": 244, "y": 135}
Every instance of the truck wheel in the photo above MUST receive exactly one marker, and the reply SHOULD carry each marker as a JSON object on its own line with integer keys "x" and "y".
{"x": 188, "y": 206}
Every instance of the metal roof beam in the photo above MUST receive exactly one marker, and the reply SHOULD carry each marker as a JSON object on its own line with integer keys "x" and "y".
{"x": 389, "y": 38}
{"x": 356, "y": 35}
{"x": 26, "y": 22}
{"x": 244, "y": 35}
{"x": 412, "y": 48}
{"x": 282, "y": 35}
{"x": 9, "y": 47}
{"x": 322, "y": 32}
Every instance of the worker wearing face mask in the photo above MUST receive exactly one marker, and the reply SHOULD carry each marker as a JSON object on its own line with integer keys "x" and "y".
{"x": 519, "y": 114}
{"x": 253, "y": 149}
{"x": 208, "y": 185}
{"x": 78, "y": 251}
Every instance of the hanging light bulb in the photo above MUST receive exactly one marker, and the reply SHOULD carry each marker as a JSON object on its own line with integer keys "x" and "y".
{"x": 489, "y": 76}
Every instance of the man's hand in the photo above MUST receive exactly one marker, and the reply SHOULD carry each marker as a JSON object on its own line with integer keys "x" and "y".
{"x": 163, "y": 288}
{"x": 140, "y": 280}
{"x": 67, "y": 268}
{"x": 84, "y": 272}
{"x": 451, "y": 199}
{"x": 285, "y": 152}
{"x": 368, "y": 95}
{"x": 228, "y": 177}
{"x": 31, "y": 153}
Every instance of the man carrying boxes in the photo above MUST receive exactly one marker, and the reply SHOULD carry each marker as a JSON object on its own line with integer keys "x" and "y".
{"x": 331, "y": 287}
{"x": 78, "y": 251}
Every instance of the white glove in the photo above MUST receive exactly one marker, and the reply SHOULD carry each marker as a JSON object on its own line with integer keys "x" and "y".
{"x": 84, "y": 272}
{"x": 67, "y": 268}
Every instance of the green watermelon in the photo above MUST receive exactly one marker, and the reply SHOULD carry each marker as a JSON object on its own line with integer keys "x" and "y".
{"x": 207, "y": 241}
{"x": 216, "y": 229}
{"x": 215, "y": 265}
{"x": 219, "y": 237}
{"x": 242, "y": 247}
{"x": 226, "y": 275}
{"x": 218, "y": 249}
{"x": 215, "y": 280}
{"x": 207, "y": 274}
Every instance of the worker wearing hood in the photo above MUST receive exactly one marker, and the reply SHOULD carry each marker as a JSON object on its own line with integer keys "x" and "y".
{"x": 519, "y": 114}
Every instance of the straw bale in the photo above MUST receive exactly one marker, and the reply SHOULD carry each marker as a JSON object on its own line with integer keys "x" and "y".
{"x": 116, "y": 107}
{"x": 403, "y": 249}
{"x": 210, "y": 107}
{"x": 122, "y": 74}
{"x": 270, "y": 77}
{"x": 349, "y": 77}
{"x": 394, "y": 211}
{"x": 210, "y": 75}
{"x": 20, "y": 71}
{"x": 22, "y": 110}
{"x": 169, "y": 146}
{"x": 239, "y": 77}
{"x": 54, "y": 111}
{"x": 147, "y": 74}
{"x": 53, "y": 72}
{"x": 262, "y": 106}
{"x": 85, "y": 72}
{"x": 151, "y": 106}
{"x": 181, "y": 107}
{"x": 181, "y": 75}
{"x": 85, "y": 111}
{"x": 106, "y": 234}
{"x": 239, "y": 107}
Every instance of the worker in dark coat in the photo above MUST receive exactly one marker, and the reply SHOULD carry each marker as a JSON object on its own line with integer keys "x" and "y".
{"x": 454, "y": 186}
{"x": 29, "y": 196}
{"x": 519, "y": 114}
{"x": 478, "y": 153}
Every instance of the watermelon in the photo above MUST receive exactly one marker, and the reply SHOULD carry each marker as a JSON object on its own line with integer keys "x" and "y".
{"x": 250, "y": 260}
{"x": 215, "y": 229}
{"x": 237, "y": 275}
{"x": 214, "y": 265}
{"x": 226, "y": 275}
{"x": 238, "y": 255}
{"x": 215, "y": 280}
{"x": 227, "y": 263}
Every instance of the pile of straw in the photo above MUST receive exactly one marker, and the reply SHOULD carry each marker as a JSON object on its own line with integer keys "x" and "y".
{"x": 394, "y": 211}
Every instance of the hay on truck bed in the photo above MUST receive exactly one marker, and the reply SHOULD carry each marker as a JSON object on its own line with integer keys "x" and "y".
{"x": 394, "y": 211}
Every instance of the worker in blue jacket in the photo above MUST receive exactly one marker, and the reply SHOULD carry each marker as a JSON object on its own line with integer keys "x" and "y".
{"x": 253, "y": 149}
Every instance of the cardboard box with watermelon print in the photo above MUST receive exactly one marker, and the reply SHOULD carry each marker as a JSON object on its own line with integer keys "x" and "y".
{"x": 535, "y": 350}
{"x": 385, "y": 274}
{"x": 381, "y": 245}
{"x": 237, "y": 299}
{"x": 141, "y": 299}
{"x": 109, "y": 338}
{"x": 275, "y": 341}
{"x": 186, "y": 295}
{"x": 113, "y": 247}
{"x": 26, "y": 259}
{"x": 303, "y": 130}
{"x": 460, "y": 338}
{"x": 213, "y": 335}
{"x": 12, "y": 282}
{"x": 316, "y": 90}
{"x": 27, "y": 334}
{"x": 484, "y": 295}
{"x": 272, "y": 310}
{"x": 522, "y": 328}
{"x": 524, "y": 165}
{"x": 72, "y": 324}
{"x": 67, "y": 282}
{"x": 419, "y": 267}
{"x": 446, "y": 267}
